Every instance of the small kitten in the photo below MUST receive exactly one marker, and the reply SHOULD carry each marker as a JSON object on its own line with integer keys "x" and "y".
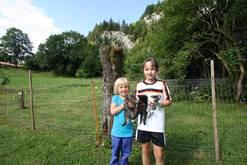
{"x": 154, "y": 99}
{"x": 129, "y": 111}
{"x": 142, "y": 108}
{"x": 140, "y": 105}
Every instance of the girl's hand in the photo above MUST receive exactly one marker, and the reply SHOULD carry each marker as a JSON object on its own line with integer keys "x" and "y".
{"x": 115, "y": 109}
{"x": 121, "y": 107}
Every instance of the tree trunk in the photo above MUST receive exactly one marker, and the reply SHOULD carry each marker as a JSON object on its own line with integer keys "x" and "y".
{"x": 238, "y": 79}
{"x": 112, "y": 64}
{"x": 239, "y": 84}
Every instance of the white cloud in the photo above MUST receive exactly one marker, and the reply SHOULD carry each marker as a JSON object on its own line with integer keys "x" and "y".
{"x": 28, "y": 18}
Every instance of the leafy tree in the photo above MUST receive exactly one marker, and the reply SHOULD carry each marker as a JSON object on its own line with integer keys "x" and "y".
{"x": 206, "y": 29}
{"x": 90, "y": 66}
{"x": 190, "y": 33}
{"x": 15, "y": 45}
{"x": 4, "y": 57}
{"x": 170, "y": 41}
{"x": 217, "y": 35}
{"x": 62, "y": 53}
{"x": 32, "y": 62}
{"x": 42, "y": 57}
{"x": 104, "y": 26}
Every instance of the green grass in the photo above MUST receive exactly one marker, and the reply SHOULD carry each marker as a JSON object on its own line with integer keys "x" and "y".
{"x": 65, "y": 126}
{"x": 20, "y": 146}
{"x": 190, "y": 134}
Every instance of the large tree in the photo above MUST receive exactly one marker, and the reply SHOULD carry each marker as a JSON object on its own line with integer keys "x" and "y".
{"x": 62, "y": 53}
{"x": 90, "y": 66}
{"x": 15, "y": 45}
{"x": 192, "y": 32}
{"x": 210, "y": 30}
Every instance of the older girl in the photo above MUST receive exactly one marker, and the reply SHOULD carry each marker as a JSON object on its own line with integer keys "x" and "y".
{"x": 154, "y": 128}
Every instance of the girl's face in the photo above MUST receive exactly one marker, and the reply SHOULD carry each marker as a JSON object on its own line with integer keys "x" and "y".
{"x": 123, "y": 90}
{"x": 149, "y": 71}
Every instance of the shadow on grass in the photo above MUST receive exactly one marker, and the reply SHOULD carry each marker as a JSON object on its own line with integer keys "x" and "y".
{"x": 181, "y": 149}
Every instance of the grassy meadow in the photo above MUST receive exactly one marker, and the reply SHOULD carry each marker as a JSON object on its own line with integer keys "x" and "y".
{"x": 65, "y": 126}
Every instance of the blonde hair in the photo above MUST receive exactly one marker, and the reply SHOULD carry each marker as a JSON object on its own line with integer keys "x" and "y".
{"x": 120, "y": 81}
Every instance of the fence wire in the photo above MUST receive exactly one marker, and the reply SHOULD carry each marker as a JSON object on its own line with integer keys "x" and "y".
{"x": 65, "y": 108}
{"x": 69, "y": 109}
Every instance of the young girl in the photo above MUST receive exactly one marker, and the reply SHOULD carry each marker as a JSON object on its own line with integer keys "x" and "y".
{"x": 153, "y": 129}
{"x": 121, "y": 135}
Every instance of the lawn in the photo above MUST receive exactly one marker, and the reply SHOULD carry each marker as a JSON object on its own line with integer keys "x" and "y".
{"x": 65, "y": 126}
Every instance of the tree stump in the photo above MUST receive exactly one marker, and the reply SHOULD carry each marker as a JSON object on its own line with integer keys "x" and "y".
{"x": 111, "y": 58}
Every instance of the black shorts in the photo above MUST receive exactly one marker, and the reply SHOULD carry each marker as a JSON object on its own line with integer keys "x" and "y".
{"x": 157, "y": 138}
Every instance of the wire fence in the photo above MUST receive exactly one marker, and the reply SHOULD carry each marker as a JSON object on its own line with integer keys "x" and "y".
{"x": 199, "y": 90}
{"x": 68, "y": 108}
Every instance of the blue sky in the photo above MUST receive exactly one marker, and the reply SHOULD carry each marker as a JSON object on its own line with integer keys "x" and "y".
{"x": 41, "y": 18}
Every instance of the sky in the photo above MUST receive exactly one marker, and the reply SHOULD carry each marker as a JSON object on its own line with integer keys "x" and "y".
{"x": 42, "y": 18}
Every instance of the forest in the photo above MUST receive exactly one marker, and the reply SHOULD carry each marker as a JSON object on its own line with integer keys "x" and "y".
{"x": 183, "y": 35}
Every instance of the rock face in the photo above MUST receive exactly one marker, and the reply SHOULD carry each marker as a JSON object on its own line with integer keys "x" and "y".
{"x": 153, "y": 18}
{"x": 117, "y": 38}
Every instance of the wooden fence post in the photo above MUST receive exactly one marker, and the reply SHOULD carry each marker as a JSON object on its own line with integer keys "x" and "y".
{"x": 31, "y": 99}
{"x": 216, "y": 138}
{"x": 3, "y": 109}
{"x": 21, "y": 99}
{"x": 98, "y": 141}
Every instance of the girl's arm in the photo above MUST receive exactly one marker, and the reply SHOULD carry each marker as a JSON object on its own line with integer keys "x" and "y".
{"x": 167, "y": 97}
{"x": 115, "y": 109}
{"x": 165, "y": 103}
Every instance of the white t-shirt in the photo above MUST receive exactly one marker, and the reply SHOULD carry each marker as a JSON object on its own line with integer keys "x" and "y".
{"x": 156, "y": 121}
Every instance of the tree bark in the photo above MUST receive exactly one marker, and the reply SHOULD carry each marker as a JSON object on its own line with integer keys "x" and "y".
{"x": 239, "y": 85}
{"x": 111, "y": 58}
